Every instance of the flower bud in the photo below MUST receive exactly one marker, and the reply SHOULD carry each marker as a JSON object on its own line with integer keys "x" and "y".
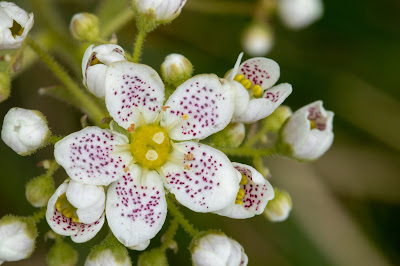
{"x": 153, "y": 12}
{"x": 154, "y": 257}
{"x": 297, "y": 14}
{"x": 277, "y": 119}
{"x": 39, "y": 190}
{"x": 5, "y": 86}
{"x": 85, "y": 27}
{"x": 279, "y": 208}
{"x": 17, "y": 238}
{"x": 176, "y": 69}
{"x": 24, "y": 130}
{"x": 307, "y": 135}
{"x": 15, "y": 25}
{"x": 115, "y": 255}
{"x": 231, "y": 136}
{"x": 215, "y": 248}
{"x": 257, "y": 40}
{"x": 62, "y": 254}
{"x": 95, "y": 63}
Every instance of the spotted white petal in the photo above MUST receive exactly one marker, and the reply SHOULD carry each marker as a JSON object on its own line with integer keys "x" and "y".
{"x": 201, "y": 178}
{"x": 133, "y": 90}
{"x": 88, "y": 231}
{"x": 260, "y": 108}
{"x": 91, "y": 156}
{"x": 261, "y": 71}
{"x": 200, "y": 107}
{"x": 136, "y": 207}
{"x": 257, "y": 192}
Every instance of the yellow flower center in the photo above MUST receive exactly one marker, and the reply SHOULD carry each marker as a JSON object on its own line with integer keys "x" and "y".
{"x": 240, "y": 195}
{"x": 150, "y": 146}
{"x": 16, "y": 29}
{"x": 312, "y": 124}
{"x": 256, "y": 89}
{"x": 66, "y": 208}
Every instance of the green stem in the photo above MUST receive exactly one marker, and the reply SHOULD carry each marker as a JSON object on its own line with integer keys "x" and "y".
{"x": 168, "y": 237}
{"x": 257, "y": 136}
{"x": 138, "y": 45}
{"x": 248, "y": 152}
{"x": 86, "y": 102}
{"x": 39, "y": 215}
{"x": 178, "y": 215}
{"x": 54, "y": 139}
{"x": 15, "y": 57}
{"x": 52, "y": 169}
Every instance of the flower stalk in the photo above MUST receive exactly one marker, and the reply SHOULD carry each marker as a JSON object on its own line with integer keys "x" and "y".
{"x": 180, "y": 218}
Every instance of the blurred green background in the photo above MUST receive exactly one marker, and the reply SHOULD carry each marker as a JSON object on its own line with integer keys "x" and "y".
{"x": 346, "y": 205}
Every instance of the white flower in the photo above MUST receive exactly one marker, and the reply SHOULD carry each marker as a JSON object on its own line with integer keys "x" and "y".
{"x": 76, "y": 210}
{"x": 17, "y": 238}
{"x": 254, "y": 193}
{"x": 218, "y": 250}
{"x": 297, "y": 14}
{"x": 255, "y": 96}
{"x": 309, "y": 132}
{"x": 24, "y": 130}
{"x": 201, "y": 177}
{"x": 15, "y": 23}
{"x": 95, "y": 63}
{"x": 106, "y": 257}
{"x": 176, "y": 69}
{"x": 162, "y": 11}
{"x": 279, "y": 208}
{"x": 257, "y": 40}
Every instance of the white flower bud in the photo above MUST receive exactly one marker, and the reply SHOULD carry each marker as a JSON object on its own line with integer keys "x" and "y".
{"x": 5, "y": 88}
{"x": 62, "y": 254}
{"x": 257, "y": 39}
{"x": 17, "y": 238}
{"x": 158, "y": 11}
{"x": 279, "y": 208}
{"x": 152, "y": 257}
{"x": 308, "y": 133}
{"x": 276, "y": 120}
{"x": 176, "y": 69}
{"x": 95, "y": 63}
{"x": 85, "y": 27}
{"x": 231, "y": 136}
{"x": 100, "y": 256}
{"x": 15, "y": 23}
{"x": 24, "y": 130}
{"x": 215, "y": 248}
{"x": 39, "y": 190}
{"x": 297, "y": 14}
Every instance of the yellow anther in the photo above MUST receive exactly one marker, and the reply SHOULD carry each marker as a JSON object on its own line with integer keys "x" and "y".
{"x": 239, "y": 78}
{"x": 67, "y": 213}
{"x": 62, "y": 205}
{"x": 312, "y": 124}
{"x": 131, "y": 128}
{"x": 16, "y": 29}
{"x": 188, "y": 157}
{"x": 159, "y": 137}
{"x": 75, "y": 219}
{"x": 257, "y": 90}
{"x": 95, "y": 61}
{"x": 58, "y": 206}
{"x": 239, "y": 202}
{"x": 240, "y": 194}
{"x": 246, "y": 83}
{"x": 186, "y": 167}
{"x": 185, "y": 117}
{"x": 244, "y": 180}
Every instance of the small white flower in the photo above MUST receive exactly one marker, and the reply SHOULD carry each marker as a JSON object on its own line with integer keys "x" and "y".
{"x": 297, "y": 14}
{"x": 76, "y": 210}
{"x": 15, "y": 23}
{"x": 218, "y": 250}
{"x": 162, "y": 11}
{"x": 106, "y": 257}
{"x": 176, "y": 69}
{"x": 24, "y": 130}
{"x": 255, "y": 96}
{"x": 254, "y": 193}
{"x": 309, "y": 132}
{"x": 95, "y": 63}
{"x": 279, "y": 208}
{"x": 17, "y": 238}
{"x": 257, "y": 40}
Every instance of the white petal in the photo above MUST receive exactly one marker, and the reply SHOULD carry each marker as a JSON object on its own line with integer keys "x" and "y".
{"x": 262, "y": 71}
{"x": 258, "y": 191}
{"x": 96, "y": 78}
{"x": 90, "y": 156}
{"x": 241, "y": 99}
{"x": 263, "y": 107}
{"x": 58, "y": 222}
{"x": 210, "y": 184}
{"x": 132, "y": 89}
{"x": 297, "y": 14}
{"x": 231, "y": 75}
{"x": 88, "y": 231}
{"x": 141, "y": 246}
{"x": 206, "y": 100}
{"x": 136, "y": 207}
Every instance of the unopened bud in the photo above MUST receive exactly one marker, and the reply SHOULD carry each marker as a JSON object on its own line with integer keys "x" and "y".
{"x": 5, "y": 86}
{"x": 279, "y": 208}
{"x": 231, "y": 136}
{"x": 62, "y": 254}
{"x": 154, "y": 257}
{"x": 39, "y": 190}
{"x": 113, "y": 255}
{"x": 176, "y": 69}
{"x": 275, "y": 121}
{"x": 257, "y": 39}
{"x": 85, "y": 27}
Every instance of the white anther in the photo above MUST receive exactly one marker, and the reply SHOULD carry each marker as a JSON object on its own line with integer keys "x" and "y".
{"x": 151, "y": 155}
{"x": 158, "y": 137}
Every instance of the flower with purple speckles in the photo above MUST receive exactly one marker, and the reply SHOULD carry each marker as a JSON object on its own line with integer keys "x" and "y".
{"x": 255, "y": 96}
{"x": 156, "y": 151}
{"x": 76, "y": 210}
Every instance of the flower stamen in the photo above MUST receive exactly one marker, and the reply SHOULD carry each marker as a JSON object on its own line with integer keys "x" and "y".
{"x": 65, "y": 207}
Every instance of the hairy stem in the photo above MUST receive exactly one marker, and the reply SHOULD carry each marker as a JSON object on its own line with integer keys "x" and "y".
{"x": 39, "y": 215}
{"x": 137, "y": 50}
{"x": 248, "y": 152}
{"x": 168, "y": 237}
{"x": 178, "y": 215}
